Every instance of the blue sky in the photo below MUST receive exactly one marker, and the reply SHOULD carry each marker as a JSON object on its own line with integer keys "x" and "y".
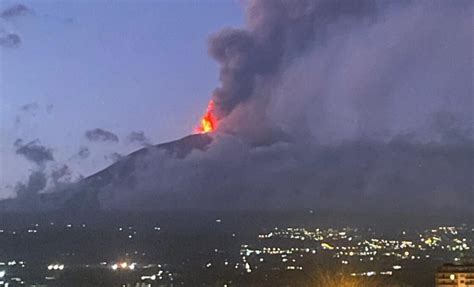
{"x": 118, "y": 65}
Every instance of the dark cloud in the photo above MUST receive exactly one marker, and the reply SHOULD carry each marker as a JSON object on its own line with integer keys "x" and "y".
{"x": 60, "y": 174}
{"x": 101, "y": 135}
{"x": 138, "y": 137}
{"x": 9, "y": 40}
{"x": 15, "y": 11}
{"x": 49, "y": 108}
{"x": 18, "y": 143}
{"x": 30, "y": 108}
{"x": 26, "y": 111}
{"x": 34, "y": 151}
{"x": 276, "y": 32}
{"x": 83, "y": 152}
{"x": 12, "y": 39}
{"x": 328, "y": 71}
{"x": 36, "y": 182}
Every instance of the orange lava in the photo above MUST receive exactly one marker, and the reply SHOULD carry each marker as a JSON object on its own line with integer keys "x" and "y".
{"x": 208, "y": 121}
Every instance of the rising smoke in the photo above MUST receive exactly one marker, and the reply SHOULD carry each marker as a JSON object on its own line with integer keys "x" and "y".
{"x": 336, "y": 70}
{"x": 329, "y": 104}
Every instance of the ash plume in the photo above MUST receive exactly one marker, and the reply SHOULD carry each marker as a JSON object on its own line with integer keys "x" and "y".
{"x": 276, "y": 31}
{"x": 338, "y": 70}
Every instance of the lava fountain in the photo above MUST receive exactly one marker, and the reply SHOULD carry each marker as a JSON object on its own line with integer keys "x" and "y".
{"x": 208, "y": 122}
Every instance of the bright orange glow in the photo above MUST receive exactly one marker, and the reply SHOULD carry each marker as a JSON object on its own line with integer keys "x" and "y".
{"x": 208, "y": 121}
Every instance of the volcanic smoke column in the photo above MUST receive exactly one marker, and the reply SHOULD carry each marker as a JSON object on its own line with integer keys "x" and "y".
{"x": 276, "y": 32}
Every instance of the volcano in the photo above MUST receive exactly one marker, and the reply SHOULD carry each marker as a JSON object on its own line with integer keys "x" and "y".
{"x": 85, "y": 193}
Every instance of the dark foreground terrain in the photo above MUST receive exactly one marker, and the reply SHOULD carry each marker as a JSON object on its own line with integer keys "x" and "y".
{"x": 226, "y": 248}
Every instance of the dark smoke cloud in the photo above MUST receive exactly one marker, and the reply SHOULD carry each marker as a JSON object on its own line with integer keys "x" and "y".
{"x": 15, "y": 11}
{"x": 138, "y": 137}
{"x": 83, "y": 152}
{"x": 101, "y": 135}
{"x": 34, "y": 151}
{"x": 9, "y": 40}
{"x": 276, "y": 32}
{"x": 36, "y": 182}
{"x": 345, "y": 73}
{"x": 30, "y": 108}
{"x": 61, "y": 174}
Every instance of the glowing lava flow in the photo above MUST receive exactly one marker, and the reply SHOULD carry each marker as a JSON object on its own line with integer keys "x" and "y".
{"x": 208, "y": 121}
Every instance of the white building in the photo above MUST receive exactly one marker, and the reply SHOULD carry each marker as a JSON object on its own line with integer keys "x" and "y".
{"x": 455, "y": 275}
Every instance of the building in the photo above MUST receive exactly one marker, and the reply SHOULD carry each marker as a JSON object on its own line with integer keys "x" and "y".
{"x": 455, "y": 275}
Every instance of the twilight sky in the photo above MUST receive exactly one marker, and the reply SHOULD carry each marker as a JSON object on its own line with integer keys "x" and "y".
{"x": 112, "y": 65}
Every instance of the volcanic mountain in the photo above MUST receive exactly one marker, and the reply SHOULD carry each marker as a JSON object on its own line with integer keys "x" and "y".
{"x": 85, "y": 193}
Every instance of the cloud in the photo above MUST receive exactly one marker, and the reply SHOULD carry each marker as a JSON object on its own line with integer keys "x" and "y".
{"x": 360, "y": 74}
{"x": 101, "y": 135}
{"x": 36, "y": 182}
{"x": 30, "y": 108}
{"x": 49, "y": 108}
{"x": 61, "y": 174}
{"x": 34, "y": 151}
{"x": 83, "y": 152}
{"x": 138, "y": 137}
{"x": 14, "y": 11}
{"x": 114, "y": 157}
{"x": 12, "y": 39}
{"x": 9, "y": 40}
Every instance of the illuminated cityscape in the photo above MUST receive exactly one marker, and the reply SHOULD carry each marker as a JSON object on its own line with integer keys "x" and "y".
{"x": 164, "y": 254}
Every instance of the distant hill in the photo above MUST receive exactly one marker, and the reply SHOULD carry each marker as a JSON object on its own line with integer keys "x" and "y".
{"x": 83, "y": 195}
